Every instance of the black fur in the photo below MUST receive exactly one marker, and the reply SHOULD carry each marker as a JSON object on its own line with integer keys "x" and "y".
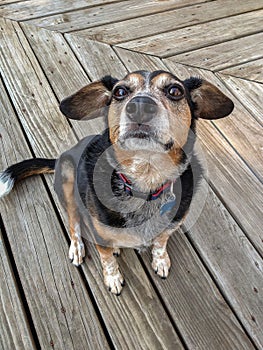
{"x": 90, "y": 171}
{"x": 28, "y": 167}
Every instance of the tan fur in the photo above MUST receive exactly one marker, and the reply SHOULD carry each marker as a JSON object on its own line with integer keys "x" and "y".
{"x": 77, "y": 251}
{"x": 44, "y": 170}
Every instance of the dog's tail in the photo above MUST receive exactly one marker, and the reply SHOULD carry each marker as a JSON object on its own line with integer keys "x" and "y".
{"x": 24, "y": 169}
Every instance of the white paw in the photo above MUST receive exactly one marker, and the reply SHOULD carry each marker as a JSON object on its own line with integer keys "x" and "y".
{"x": 114, "y": 282}
{"x": 77, "y": 251}
{"x": 161, "y": 265}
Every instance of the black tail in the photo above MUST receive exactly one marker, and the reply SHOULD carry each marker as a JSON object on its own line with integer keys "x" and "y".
{"x": 24, "y": 169}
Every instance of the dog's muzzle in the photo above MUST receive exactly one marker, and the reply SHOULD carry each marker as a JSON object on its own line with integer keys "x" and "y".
{"x": 141, "y": 109}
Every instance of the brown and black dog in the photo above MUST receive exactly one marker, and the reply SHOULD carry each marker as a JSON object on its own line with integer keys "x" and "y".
{"x": 131, "y": 186}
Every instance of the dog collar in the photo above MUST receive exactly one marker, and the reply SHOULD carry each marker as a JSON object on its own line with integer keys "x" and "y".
{"x": 147, "y": 196}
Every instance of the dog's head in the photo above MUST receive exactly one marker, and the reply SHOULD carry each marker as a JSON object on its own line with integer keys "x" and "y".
{"x": 148, "y": 111}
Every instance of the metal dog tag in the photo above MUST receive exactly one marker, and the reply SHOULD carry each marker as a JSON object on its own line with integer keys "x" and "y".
{"x": 169, "y": 202}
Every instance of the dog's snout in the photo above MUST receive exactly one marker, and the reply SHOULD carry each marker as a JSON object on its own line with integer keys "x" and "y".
{"x": 141, "y": 109}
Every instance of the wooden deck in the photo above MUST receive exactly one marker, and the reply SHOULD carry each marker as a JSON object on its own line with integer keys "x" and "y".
{"x": 213, "y": 298}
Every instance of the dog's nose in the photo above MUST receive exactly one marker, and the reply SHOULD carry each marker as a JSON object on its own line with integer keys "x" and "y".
{"x": 141, "y": 109}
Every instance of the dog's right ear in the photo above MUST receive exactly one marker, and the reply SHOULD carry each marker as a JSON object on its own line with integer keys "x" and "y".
{"x": 88, "y": 101}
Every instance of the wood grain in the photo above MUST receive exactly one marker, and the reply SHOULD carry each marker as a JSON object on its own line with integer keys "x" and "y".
{"x": 131, "y": 315}
{"x": 28, "y": 9}
{"x": 198, "y": 36}
{"x": 97, "y": 59}
{"x": 229, "y": 254}
{"x": 108, "y": 13}
{"x": 62, "y": 315}
{"x": 250, "y": 95}
{"x": 252, "y": 70}
{"x": 236, "y": 52}
{"x": 135, "y": 28}
{"x": 14, "y": 327}
{"x": 197, "y": 307}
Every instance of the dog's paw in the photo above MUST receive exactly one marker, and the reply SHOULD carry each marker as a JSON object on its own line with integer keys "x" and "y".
{"x": 77, "y": 252}
{"x": 161, "y": 265}
{"x": 114, "y": 282}
{"x": 116, "y": 252}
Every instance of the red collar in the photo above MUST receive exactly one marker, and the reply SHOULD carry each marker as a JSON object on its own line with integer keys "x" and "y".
{"x": 147, "y": 196}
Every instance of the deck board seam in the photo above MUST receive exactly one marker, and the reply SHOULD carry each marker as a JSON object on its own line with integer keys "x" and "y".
{"x": 164, "y": 31}
{"x": 110, "y": 22}
{"x": 217, "y": 285}
{"x": 19, "y": 285}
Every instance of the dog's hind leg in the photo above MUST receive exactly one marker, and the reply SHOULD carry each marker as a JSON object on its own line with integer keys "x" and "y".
{"x": 77, "y": 249}
{"x": 113, "y": 279}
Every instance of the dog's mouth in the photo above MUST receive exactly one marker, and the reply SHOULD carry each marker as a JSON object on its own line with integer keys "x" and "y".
{"x": 143, "y": 136}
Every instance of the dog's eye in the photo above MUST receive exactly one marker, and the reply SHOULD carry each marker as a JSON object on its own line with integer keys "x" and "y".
{"x": 120, "y": 93}
{"x": 175, "y": 92}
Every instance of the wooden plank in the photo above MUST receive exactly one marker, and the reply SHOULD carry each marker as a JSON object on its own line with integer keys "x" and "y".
{"x": 198, "y": 36}
{"x": 14, "y": 328}
{"x": 131, "y": 294}
{"x": 190, "y": 276}
{"x": 101, "y": 61}
{"x": 40, "y": 250}
{"x": 134, "y": 60}
{"x": 129, "y": 317}
{"x": 135, "y": 28}
{"x": 235, "y": 52}
{"x": 28, "y": 9}
{"x": 251, "y": 70}
{"x": 229, "y": 254}
{"x": 249, "y": 94}
{"x": 4, "y": 2}
{"x": 227, "y": 250}
{"x": 87, "y": 18}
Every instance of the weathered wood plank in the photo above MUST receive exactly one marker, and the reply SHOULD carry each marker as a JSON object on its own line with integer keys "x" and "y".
{"x": 14, "y": 328}
{"x": 252, "y": 70}
{"x": 131, "y": 315}
{"x": 249, "y": 93}
{"x": 132, "y": 60}
{"x": 228, "y": 253}
{"x": 185, "y": 293}
{"x": 40, "y": 252}
{"x": 235, "y": 52}
{"x": 234, "y": 184}
{"x": 108, "y": 13}
{"x": 4, "y": 2}
{"x": 28, "y": 9}
{"x": 101, "y": 61}
{"x": 198, "y": 36}
{"x": 130, "y": 294}
{"x": 135, "y": 28}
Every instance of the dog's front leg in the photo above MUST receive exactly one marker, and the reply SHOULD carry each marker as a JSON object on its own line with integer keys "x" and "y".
{"x": 77, "y": 249}
{"x": 160, "y": 259}
{"x": 113, "y": 279}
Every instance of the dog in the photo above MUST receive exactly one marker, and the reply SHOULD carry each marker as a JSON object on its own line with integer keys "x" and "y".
{"x": 132, "y": 185}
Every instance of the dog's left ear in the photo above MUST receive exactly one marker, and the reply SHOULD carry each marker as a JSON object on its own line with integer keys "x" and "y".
{"x": 209, "y": 101}
{"x": 88, "y": 101}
